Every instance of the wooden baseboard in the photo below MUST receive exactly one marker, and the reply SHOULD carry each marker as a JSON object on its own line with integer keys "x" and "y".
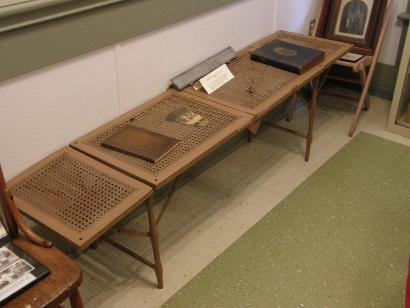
{"x": 384, "y": 80}
{"x": 407, "y": 118}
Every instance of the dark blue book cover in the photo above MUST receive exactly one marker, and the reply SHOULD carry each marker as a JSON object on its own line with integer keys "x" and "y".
{"x": 287, "y": 56}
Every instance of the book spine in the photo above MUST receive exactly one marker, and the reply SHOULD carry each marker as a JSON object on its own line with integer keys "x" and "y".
{"x": 313, "y": 64}
{"x": 277, "y": 64}
{"x": 130, "y": 153}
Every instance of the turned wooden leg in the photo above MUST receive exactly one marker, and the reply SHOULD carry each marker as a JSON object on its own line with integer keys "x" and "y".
{"x": 155, "y": 242}
{"x": 75, "y": 300}
{"x": 312, "y": 114}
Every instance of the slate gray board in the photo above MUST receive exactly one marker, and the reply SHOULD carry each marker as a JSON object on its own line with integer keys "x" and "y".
{"x": 190, "y": 76}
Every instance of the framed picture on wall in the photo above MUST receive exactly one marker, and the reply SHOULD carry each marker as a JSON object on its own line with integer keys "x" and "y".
{"x": 352, "y": 21}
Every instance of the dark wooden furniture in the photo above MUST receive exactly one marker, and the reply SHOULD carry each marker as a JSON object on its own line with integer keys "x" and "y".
{"x": 258, "y": 88}
{"x": 334, "y": 23}
{"x": 65, "y": 276}
{"x": 365, "y": 67}
{"x": 81, "y": 200}
{"x": 62, "y": 282}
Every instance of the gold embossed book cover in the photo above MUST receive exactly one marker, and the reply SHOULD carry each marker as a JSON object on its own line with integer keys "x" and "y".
{"x": 287, "y": 56}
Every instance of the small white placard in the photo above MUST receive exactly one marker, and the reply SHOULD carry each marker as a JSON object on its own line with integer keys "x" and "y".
{"x": 216, "y": 79}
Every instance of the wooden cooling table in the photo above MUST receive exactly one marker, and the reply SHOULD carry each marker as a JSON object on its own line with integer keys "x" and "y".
{"x": 81, "y": 200}
{"x": 194, "y": 142}
{"x": 258, "y": 88}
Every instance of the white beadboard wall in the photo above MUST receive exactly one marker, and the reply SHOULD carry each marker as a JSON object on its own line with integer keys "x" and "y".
{"x": 296, "y": 15}
{"x": 148, "y": 62}
{"x": 42, "y": 111}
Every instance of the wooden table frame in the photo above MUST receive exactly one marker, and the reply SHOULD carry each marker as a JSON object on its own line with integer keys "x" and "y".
{"x": 312, "y": 106}
{"x": 246, "y": 120}
{"x": 106, "y": 225}
{"x": 172, "y": 173}
{"x": 152, "y": 234}
{"x": 292, "y": 89}
{"x": 64, "y": 276}
{"x": 250, "y": 123}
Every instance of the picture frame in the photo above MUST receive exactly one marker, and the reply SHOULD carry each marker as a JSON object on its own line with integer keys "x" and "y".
{"x": 352, "y": 21}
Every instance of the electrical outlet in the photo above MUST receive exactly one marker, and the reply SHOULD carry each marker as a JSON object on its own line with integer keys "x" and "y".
{"x": 312, "y": 26}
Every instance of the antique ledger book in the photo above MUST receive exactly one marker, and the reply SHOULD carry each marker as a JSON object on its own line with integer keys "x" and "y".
{"x": 287, "y": 56}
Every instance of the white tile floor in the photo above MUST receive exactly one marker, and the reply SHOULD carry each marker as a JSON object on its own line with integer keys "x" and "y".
{"x": 217, "y": 207}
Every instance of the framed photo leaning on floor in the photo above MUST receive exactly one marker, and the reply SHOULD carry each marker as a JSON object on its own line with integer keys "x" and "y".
{"x": 352, "y": 21}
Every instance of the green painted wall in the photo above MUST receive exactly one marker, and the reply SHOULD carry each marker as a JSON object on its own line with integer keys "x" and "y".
{"x": 36, "y": 46}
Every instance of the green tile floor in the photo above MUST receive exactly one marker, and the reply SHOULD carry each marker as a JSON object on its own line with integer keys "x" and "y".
{"x": 341, "y": 239}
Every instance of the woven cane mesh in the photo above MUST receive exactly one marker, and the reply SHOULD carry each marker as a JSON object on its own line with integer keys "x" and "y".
{"x": 328, "y": 47}
{"x": 72, "y": 192}
{"x": 154, "y": 119}
{"x": 255, "y": 82}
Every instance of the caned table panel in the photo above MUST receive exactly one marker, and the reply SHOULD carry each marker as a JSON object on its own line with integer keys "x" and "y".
{"x": 194, "y": 141}
{"x": 257, "y": 88}
{"x": 76, "y": 196}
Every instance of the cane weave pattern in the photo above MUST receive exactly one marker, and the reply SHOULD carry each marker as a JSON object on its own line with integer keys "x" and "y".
{"x": 72, "y": 192}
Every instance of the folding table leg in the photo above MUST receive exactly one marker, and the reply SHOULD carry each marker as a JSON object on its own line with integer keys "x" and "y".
{"x": 155, "y": 242}
{"x": 249, "y": 135}
{"x": 360, "y": 106}
{"x": 363, "y": 78}
{"x": 325, "y": 76}
{"x": 168, "y": 200}
{"x": 75, "y": 300}
{"x": 152, "y": 234}
{"x": 312, "y": 114}
{"x": 292, "y": 107}
{"x": 253, "y": 129}
{"x": 312, "y": 104}
{"x": 371, "y": 69}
